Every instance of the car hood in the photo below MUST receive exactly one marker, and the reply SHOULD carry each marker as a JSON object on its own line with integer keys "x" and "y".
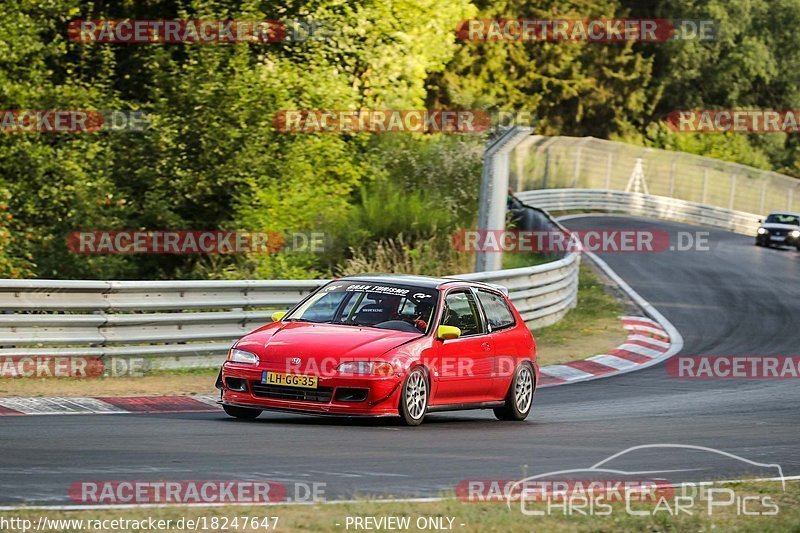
{"x": 773, "y": 225}
{"x": 281, "y": 341}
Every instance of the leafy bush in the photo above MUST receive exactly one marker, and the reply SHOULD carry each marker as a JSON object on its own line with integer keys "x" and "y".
{"x": 403, "y": 220}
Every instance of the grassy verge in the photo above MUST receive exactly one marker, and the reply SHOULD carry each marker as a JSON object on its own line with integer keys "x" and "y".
{"x": 182, "y": 382}
{"x": 468, "y": 517}
{"x": 520, "y": 260}
{"x": 593, "y": 327}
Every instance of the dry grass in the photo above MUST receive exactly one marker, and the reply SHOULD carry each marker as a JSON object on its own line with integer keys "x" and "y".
{"x": 470, "y": 517}
{"x": 592, "y": 328}
{"x": 590, "y": 338}
{"x": 431, "y": 257}
{"x": 200, "y": 381}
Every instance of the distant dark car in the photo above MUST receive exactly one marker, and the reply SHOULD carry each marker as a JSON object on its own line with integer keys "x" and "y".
{"x": 387, "y": 346}
{"x": 780, "y": 229}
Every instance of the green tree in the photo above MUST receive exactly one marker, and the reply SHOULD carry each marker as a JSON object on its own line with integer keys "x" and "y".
{"x": 574, "y": 88}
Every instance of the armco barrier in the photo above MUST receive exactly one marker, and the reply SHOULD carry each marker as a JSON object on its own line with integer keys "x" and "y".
{"x": 187, "y": 323}
{"x": 647, "y": 205}
{"x": 136, "y": 318}
{"x": 543, "y": 293}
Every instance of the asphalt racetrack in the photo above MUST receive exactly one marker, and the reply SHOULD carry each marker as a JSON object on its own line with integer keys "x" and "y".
{"x": 735, "y": 299}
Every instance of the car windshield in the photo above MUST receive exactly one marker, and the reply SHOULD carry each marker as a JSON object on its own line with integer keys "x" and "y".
{"x": 777, "y": 218}
{"x": 356, "y": 303}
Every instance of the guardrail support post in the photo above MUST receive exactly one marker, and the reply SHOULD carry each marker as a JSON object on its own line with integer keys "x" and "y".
{"x": 494, "y": 191}
{"x": 672, "y": 179}
{"x": 577, "y": 169}
{"x": 520, "y": 169}
{"x": 705, "y": 185}
{"x": 546, "y": 167}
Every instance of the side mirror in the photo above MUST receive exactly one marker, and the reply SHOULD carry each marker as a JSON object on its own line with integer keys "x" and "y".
{"x": 447, "y": 333}
{"x": 278, "y": 315}
{"x": 760, "y": 221}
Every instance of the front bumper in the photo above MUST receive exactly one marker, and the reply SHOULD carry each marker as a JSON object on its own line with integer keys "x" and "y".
{"x": 777, "y": 240}
{"x": 335, "y": 395}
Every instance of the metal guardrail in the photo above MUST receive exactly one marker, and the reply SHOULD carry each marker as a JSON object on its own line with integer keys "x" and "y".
{"x": 648, "y": 205}
{"x": 542, "y": 294}
{"x": 195, "y": 322}
{"x": 137, "y": 318}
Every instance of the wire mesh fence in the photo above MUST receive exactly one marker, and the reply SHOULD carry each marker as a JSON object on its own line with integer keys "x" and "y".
{"x": 589, "y": 163}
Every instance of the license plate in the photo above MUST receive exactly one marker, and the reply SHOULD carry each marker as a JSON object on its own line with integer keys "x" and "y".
{"x": 780, "y": 239}
{"x": 289, "y": 380}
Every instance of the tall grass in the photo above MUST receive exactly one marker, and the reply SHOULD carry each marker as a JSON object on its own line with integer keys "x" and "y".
{"x": 403, "y": 221}
{"x": 430, "y": 257}
{"x": 386, "y": 210}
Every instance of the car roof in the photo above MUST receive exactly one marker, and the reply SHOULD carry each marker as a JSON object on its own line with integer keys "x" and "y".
{"x": 419, "y": 281}
{"x": 783, "y": 213}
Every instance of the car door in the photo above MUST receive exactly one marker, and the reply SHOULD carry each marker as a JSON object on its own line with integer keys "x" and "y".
{"x": 463, "y": 366}
{"x": 500, "y": 324}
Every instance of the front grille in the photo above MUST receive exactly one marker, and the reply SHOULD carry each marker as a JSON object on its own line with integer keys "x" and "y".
{"x": 778, "y": 232}
{"x": 236, "y": 384}
{"x": 281, "y": 392}
{"x": 351, "y": 395}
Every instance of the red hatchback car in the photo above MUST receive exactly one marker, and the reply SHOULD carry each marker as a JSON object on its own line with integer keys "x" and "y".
{"x": 387, "y": 346}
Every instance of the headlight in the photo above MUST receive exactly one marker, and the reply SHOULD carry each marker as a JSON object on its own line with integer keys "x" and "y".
{"x": 761, "y": 231}
{"x": 240, "y": 356}
{"x": 367, "y": 368}
{"x": 795, "y": 233}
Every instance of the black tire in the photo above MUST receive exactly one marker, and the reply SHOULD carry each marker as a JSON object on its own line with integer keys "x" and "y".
{"x": 241, "y": 412}
{"x": 759, "y": 243}
{"x": 518, "y": 409}
{"x": 414, "y": 397}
